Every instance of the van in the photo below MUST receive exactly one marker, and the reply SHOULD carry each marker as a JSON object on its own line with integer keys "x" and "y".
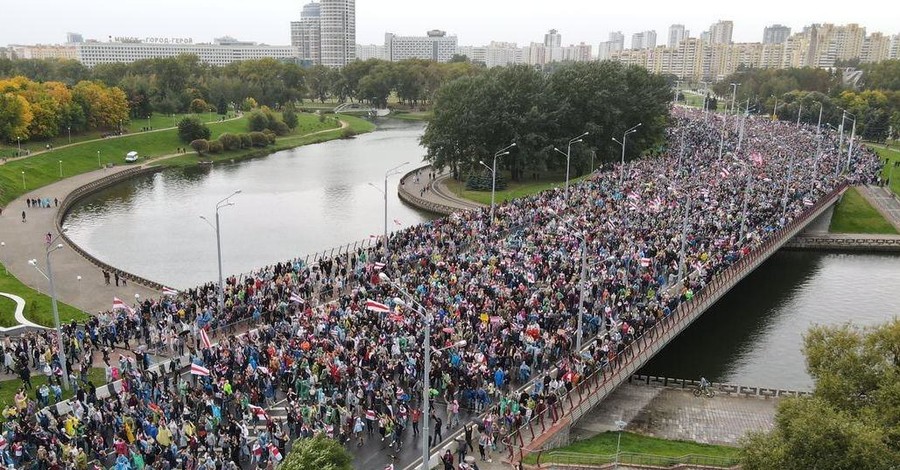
{"x": 131, "y": 157}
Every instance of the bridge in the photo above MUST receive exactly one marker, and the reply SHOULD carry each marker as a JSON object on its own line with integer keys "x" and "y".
{"x": 549, "y": 428}
{"x": 359, "y": 108}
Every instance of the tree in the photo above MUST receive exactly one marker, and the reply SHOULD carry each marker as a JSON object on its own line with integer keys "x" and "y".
{"x": 853, "y": 418}
{"x": 317, "y": 453}
{"x": 257, "y": 121}
{"x": 201, "y": 146}
{"x": 199, "y": 106}
{"x": 191, "y": 128}
{"x": 15, "y": 117}
{"x": 290, "y": 118}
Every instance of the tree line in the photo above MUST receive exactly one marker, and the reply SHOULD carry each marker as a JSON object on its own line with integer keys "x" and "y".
{"x": 475, "y": 116}
{"x": 798, "y": 93}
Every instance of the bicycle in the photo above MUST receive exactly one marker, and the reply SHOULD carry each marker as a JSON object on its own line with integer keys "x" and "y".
{"x": 708, "y": 392}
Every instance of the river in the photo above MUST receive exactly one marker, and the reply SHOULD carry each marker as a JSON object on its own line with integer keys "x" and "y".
{"x": 316, "y": 197}
{"x": 292, "y": 203}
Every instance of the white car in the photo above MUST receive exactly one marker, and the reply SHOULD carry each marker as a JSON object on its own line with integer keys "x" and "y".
{"x": 131, "y": 157}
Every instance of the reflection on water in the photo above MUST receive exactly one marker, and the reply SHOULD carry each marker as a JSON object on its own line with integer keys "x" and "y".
{"x": 292, "y": 203}
{"x": 753, "y": 336}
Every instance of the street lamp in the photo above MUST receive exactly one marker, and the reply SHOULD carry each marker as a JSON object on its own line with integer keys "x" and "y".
{"x": 568, "y": 155}
{"x": 60, "y": 168}
{"x": 733, "y": 96}
{"x": 582, "y": 237}
{"x": 3, "y": 248}
{"x": 426, "y": 378}
{"x": 391, "y": 172}
{"x": 99, "y": 165}
{"x": 23, "y": 180}
{"x": 59, "y": 338}
{"x": 622, "y": 143}
{"x": 69, "y": 128}
{"x": 787, "y": 186}
{"x": 620, "y": 426}
{"x": 19, "y": 145}
{"x": 219, "y": 205}
{"x": 493, "y": 170}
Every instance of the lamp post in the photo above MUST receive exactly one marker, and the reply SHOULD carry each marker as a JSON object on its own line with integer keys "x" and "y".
{"x": 69, "y": 128}
{"x": 23, "y": 180}
{"x": 60, "y": 168}
{"x": 733, "y": 96}
{"x": 19, "y": 145}
{"x": 799, "y": 110}
{"x": 219, "y": 205}
{"x": 850, "y": 146}
{"x": 787, "y": 186}
{"x": 632, "y": 130}
{"x": 620, "y": 426}
{"x": 426, "y": 378}
{"x": 493, "y": 169}
{"x": 59, "y": 339}
{"x": 582, "y": 237}
{"x": 568, "y": 155}
{"x": 3, "y": 248}
{"x": 775, "y": 109}
{"x": 99, "y": 165}
{"x": 818, "y": 145}
{"x": 387, "y": 174}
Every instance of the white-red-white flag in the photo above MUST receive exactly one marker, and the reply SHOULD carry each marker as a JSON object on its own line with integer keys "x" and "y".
{"x": 204, "y": 338}
{"x": 377, "y": 306}
{"x": 169, "y": 291}
{"x": 397, "y": 221}
{"x": 118, "y": 304}
{"x": 197, "y": 369}
{"x": 645, "y": 262}
{"x": 379, "y": 266}
{"x": 296, "y": 298}
{"x": 274, "y": 453}
{"x": 259, "y": 412}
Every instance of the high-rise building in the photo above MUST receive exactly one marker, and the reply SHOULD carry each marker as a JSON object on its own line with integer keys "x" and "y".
{"x": 91, "y": 53}
{"x": 720, "y": 33}
{"x": 369, "y": 51}
{"x": 338, "y": 32}
{"x": 776, "y": 34}
{"x": 876, "y": 47}
{"x": 894, "y": 52}
{"x": 577, "y": 53}
{"x": 553, "y": 39}
{"x": 436, "y": 46}
{"x": 615, "y": 44}
{"x": 643, "y": 40}
{"x": 498, "y": 54}
{"x": 306, "y": 34}
{"x": 553, "y": 47}
{"x": 677, "y": 33}
{"x": 74, "y": 38}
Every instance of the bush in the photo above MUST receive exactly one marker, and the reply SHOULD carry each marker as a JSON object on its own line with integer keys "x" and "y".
{"x": 191, "y": 129}
{"x": 215, "y": 146}
{"x": 347, "y": 133}
{"x": 230, "y": 141}
{"x": 290, "y": 118}
{"x": 483, "y": 181}
{"x": 248, "y": 104}
{"x": 246, "y": 141}
{"x": 259, "y": 139}
{"x": 199, "y": 106}
{"x": 258, "y": 121}
{"x": 269, "y": 135}
{"x": 201, "y": 146}
{"x": 281, "y": 128}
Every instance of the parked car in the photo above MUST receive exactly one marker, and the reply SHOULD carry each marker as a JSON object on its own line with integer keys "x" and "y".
{"x": 131, "y": 157}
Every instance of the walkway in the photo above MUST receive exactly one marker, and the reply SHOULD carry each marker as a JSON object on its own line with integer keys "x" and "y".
{"x": 437, "y": 191}
{"x": 885, "y": 201}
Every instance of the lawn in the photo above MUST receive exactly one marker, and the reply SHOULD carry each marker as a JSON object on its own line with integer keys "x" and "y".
{"x": 855, "y": 215}
{"x": 412, "y": 116}
{"x": 37, "y": 305}
{"x": 696, "y": 101}
{"x": 513, "y": 189}
{"x": 41, "y": 170}
{"x": 893, "y": 156}
{"x": 8, "y": 388}
{"x": 640, "y": 449}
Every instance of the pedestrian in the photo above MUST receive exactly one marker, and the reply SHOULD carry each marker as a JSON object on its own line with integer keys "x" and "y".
{"x": 23, "y": 216}
{"x": 116, "y": 274}
{"x": 106, "y": 277}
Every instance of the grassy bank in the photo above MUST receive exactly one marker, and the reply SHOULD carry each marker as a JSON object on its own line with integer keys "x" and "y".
{"x": 649, "y": 450}
{"x": 855, "y": 215}
{"x": 892, "y": 156}
{"x": 412, "y": 116}
{"x": 513, "y": 190}
{"x": 43, "y": 169}
{"x": 37, "y": 305}
{"x": 8, "y": 388}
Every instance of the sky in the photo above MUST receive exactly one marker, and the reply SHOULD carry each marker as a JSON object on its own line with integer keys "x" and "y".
{"x": 474, "y": 22}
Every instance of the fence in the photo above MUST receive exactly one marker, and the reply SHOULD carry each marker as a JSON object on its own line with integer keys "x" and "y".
{"x": 724, "y": 388}
{"x": 546, "y": 423}
{"x": 575, "y": 459}
{"x": 845, "y": 243}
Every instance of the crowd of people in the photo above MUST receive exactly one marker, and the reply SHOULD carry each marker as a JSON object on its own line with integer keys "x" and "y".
{"x": 338, "y": 344}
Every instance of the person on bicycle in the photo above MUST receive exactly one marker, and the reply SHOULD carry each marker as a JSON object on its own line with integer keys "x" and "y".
{"x": 704, "y": 385}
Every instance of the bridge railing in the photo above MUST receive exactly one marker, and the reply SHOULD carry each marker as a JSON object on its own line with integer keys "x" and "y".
{"x": 585, "y": 394}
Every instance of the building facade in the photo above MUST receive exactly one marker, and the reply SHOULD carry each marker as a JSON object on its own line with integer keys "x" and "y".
{"x": 776, "y": 34}
{"x": 677, "y": 33}
{"x": 720, "y": 32}
{"x": 643, "y": 40}
{"x": 436, "y": 46}
{"x": 338, "y": 32}
{"x": 369, "y": 51}
{"x": 93, "y": 53}
{"x": 44, "y": 51}
{"x": 306, "y": 34}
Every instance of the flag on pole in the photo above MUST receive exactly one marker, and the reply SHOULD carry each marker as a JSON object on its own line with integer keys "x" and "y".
{"x": 256, "y": 449}
{"x": 379, "y": 266}
{"x": 259, "y": 412}
{"x": 197, "y": 369}
{"x": 397, "y": 221}
{"x": 645, "y": 262}
{"x": 297, "y": 298}
{"x": 204, "y": 338}
{"x": 169, "y": 291}
{"x": 275, "y": 453}
{"x": 118, "y": 304}
{"x": 377, "y": 306}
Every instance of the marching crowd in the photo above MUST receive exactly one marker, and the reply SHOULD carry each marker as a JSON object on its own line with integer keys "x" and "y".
{"x": 500, "y": 298}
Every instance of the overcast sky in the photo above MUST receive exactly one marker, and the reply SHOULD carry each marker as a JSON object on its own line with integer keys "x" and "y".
{"x": 475, "y": 22}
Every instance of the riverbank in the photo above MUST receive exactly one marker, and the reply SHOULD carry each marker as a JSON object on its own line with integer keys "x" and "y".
{"x": 90, "y": 293}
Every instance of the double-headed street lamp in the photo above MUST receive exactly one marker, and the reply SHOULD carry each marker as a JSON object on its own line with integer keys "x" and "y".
{"x": 568, "y": 155}
{"x": 59, "y": 338}
{"x": 733, "y": 96}
{"x": 582, "y": 237}
{"x": 622, "y": 143}
{"x": 219, "y": 205}
{"x": 426, "y": 378}
{"x": 493, "y": 170}
{"x": 391, "y": 172}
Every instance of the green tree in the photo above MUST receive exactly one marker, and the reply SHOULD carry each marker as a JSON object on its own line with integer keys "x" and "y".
{"x": 199, "y": 106}
{"x": 853, "y": 419}
{"x": 317, "y": 453}
{"x": 290, "y": 118}
{"x": 191, "y": 128}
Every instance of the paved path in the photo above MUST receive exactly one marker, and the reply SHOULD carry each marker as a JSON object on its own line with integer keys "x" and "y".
{"x": 437, "y": 190}
{"x": 885, "y": 201}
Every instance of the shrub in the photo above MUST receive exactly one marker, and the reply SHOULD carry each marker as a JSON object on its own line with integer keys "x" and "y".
{"x": 259, "y": 139}
{"x": 270, "y": 136}
{"x": 257, "y": 121}
{"x": 248, "y": 104}
{"x": 347, "y": 133}
{"x": 199, "y": 106}
{"x": 281, "y": 128}
{"x": 246, "y": 141}
{"x": 290, "y": 118}
{"x": 230, "y": 141}
{"x": 215, "y": 146}
{"x": 191, "y": 129}
{"x": 200, "y": 146}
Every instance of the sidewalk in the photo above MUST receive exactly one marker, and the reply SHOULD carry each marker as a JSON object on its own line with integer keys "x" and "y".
{"x": 438, "y": 192}
{"x": 884, "y": 201}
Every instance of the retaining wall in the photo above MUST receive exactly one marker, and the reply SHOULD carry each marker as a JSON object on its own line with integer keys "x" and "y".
{"x": 410, "y": 198}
